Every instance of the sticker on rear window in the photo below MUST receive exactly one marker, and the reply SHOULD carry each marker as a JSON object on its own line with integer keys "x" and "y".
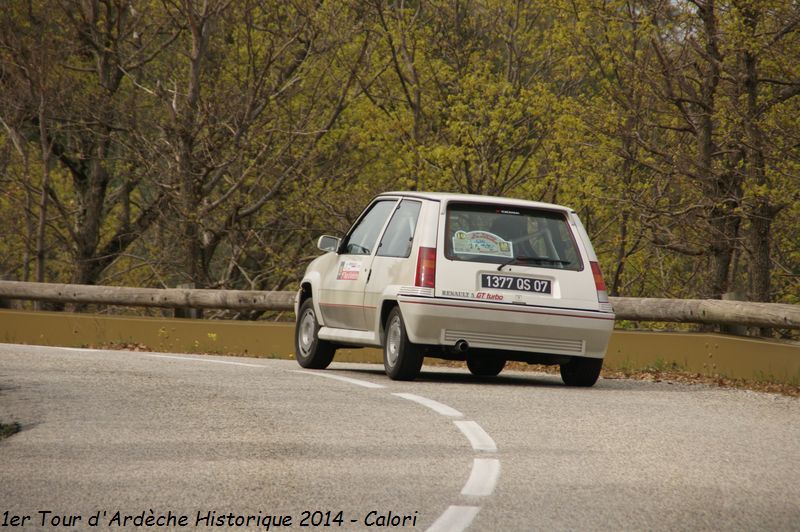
{"x": 482, "y": 243}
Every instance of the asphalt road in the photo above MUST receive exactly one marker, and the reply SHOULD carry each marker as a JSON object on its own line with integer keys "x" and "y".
{"x": 111, "y": 434}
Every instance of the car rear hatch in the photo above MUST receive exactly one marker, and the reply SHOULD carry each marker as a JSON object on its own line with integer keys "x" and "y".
{"x": 513, "y": 254}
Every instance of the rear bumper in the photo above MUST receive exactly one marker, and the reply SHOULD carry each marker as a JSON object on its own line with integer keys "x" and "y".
{"x": 437, "y": 321}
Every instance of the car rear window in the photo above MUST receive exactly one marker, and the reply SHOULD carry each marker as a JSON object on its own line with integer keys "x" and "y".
{"x": 498, "y": 234}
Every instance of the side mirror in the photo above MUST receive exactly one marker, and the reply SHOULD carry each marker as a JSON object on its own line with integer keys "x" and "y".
{"x": 328, "y": 243}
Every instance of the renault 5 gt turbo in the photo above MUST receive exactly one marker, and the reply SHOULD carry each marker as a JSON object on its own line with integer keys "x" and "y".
{"x": 461, "y": 277}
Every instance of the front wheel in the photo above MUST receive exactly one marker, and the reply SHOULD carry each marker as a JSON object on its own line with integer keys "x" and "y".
{"x": 402, "y": 360}
{"x": 309, "y": 350}
{"x": 581, "y": 371}
{"x": 485, "y": 365}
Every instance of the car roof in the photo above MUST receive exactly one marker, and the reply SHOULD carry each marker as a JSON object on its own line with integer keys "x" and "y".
{"x": 475, "y": 198}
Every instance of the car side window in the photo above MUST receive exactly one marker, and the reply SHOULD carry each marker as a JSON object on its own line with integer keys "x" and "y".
{"x": 364, "y": 235}
{"x": 399, "y": 234}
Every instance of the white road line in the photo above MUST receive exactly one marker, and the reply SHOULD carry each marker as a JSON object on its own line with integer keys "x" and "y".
{"x": 477, "y": 436}
{"x": 483, "y": 479}
{"x": 74, "y": 349}
{"x": 359, "y": 382}
{"x": 173, "y": 357}
{"x": 209, "y": 360}
{"x": 485, "y": 471}
{"x": 455, "y": 519}
{"x": 436, "y": 406}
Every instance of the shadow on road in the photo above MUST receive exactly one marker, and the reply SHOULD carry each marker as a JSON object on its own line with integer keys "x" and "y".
{"x": 532, "y": 380}
{"x": 455, "y": 377}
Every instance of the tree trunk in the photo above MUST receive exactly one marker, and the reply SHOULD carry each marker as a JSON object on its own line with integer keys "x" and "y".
{"x": 91, "y": 185}
{"x": 47, "y": 150}
{"x": 190, "y": 183}
{"x": 723, "y": 220}
{"x": 91, "y": 199}
{"x": 762, "y": 212}
{"x": 725, "y": 225}
{"x": 761, "y": 217}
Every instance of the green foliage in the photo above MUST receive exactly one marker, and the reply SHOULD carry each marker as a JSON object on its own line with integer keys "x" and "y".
{"x": 250, "y": 128}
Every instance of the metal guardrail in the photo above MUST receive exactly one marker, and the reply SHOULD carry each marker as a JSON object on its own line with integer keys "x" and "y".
{"x": 708, "y": 311}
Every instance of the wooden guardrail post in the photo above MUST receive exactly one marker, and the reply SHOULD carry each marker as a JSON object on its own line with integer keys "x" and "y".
{"x": 5, "y": 302}
{"x": 187, "y": 312}
{"x": 739, "y": 330}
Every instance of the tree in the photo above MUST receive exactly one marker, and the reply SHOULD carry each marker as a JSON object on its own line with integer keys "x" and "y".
{"x": 765, "y": 44}
{"x": 247, "y": 97}
{"x": 80, "y": 120}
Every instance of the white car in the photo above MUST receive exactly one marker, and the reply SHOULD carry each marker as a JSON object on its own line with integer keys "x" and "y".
{"x": 463, "y": 277}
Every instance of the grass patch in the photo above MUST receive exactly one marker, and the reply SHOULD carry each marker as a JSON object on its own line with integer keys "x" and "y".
{"x": 686, "y": 377}
{"x": 119, "y": 346}
{"x": 8, "y": 429}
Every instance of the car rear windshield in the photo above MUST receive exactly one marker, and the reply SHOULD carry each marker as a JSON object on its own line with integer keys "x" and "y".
{"x": 499, "y": 234}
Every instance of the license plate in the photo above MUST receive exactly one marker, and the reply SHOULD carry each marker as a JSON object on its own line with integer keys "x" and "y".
{"x": 510, "y": 282}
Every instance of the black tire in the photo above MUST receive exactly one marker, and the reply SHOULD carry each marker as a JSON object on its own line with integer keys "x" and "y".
{"x": 402, "y": 360}
{"x": 485, "y": 365}
{"x": 309, "y": 350}
{"x": 581, "y": 371}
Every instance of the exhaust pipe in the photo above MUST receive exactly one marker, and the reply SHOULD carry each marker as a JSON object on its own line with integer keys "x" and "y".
{"x": 462, "y": 346}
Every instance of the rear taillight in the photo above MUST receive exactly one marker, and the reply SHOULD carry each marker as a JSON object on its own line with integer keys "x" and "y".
{"x": 426, "y": 268}
{"x": 599, "y": 283}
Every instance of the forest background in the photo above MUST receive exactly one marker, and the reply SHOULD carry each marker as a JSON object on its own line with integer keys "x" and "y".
{"x": 164, "y": 142}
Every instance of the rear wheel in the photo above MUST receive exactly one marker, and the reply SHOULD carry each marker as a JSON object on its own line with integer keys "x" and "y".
{"x": 485, "y": 365}
{"x": 309, "y": 350}
{"x": 402, "y": 360}
{"x": 581, "y": 371}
